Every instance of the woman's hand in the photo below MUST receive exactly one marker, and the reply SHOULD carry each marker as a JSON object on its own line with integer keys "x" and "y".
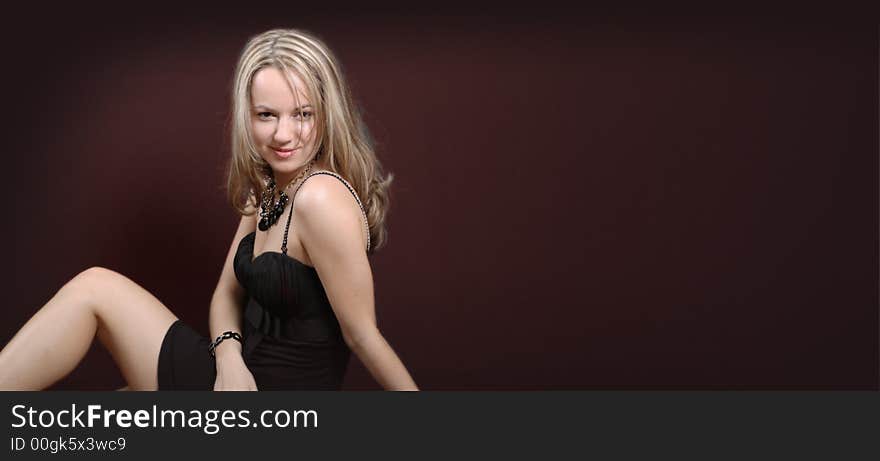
{"x": 232, "y": 373}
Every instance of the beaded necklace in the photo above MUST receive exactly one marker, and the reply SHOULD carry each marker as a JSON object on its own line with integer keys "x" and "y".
{"x": 269, "y": 212}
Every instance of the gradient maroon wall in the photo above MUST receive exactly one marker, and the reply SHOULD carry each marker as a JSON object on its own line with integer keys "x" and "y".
{"x": 579, "y": 203}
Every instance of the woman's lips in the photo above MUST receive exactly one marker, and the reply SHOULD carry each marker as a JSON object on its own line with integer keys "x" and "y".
{"x": 285, "y": 153}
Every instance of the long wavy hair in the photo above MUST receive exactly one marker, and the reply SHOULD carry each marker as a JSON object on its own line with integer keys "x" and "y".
{"x": 342, "y": 136}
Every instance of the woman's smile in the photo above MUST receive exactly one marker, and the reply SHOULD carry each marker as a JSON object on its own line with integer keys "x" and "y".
{"x": 285, "y": 153}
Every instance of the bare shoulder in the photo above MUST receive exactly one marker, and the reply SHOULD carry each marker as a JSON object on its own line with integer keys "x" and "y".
{"x": 323, "y": 193}
{"x": 328, "y": 215}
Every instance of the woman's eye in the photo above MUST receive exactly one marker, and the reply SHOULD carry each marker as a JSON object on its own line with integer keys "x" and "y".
{"x": 264, "y": 115}
{"x": 305, "y": 114}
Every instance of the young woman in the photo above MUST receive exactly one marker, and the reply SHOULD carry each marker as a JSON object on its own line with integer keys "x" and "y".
{"x": 295, "y": 296}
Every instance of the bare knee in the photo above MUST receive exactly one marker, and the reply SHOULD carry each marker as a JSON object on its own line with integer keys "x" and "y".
{"x": 88, "y": 283}
{"x": 94, "y": 276}
{"x": 97, "y": 272}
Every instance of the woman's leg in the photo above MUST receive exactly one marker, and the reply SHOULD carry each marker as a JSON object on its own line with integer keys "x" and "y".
{"x": 128, "y": 320}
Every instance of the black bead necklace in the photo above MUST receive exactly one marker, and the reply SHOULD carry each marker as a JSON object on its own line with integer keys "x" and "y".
{"x": 269, "y": 216}
{"x": 270, "y": 212}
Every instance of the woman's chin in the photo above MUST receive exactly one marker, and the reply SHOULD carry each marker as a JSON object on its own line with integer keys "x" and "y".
{"x": 286, "y": 170}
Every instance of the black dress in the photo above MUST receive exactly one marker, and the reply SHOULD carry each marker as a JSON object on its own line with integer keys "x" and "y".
{"x": 292, "y": 340}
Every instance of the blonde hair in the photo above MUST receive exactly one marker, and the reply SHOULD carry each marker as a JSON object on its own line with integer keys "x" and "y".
{"x": 342, "y": 137}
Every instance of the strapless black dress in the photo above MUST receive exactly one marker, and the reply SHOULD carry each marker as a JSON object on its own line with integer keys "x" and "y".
{"x": 291, "y": 338}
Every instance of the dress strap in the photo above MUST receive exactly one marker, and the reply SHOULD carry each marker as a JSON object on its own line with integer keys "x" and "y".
{"x": 350, "y": 189}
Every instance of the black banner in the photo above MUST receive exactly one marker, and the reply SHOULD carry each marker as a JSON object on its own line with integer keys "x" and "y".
{"x": 542, "y": 425}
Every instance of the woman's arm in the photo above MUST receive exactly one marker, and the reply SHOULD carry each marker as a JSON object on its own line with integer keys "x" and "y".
{"x": 225, "y": 315}
{"x": 331, "y": 228}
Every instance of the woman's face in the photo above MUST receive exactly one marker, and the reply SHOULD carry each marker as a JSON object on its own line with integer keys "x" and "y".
{"x": 282, "y": 122}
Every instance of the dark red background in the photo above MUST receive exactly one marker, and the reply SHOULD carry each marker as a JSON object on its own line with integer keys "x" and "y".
{"x": 580, "y": 202}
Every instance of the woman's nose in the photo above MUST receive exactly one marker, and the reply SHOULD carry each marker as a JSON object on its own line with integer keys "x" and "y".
{"x": 286, "y": 131}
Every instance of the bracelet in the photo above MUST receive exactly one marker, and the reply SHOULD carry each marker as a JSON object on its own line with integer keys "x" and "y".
{"x": 225, "y": 335}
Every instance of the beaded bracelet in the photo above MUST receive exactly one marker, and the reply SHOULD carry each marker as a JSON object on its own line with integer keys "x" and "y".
{"x": 225, "y": 335}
